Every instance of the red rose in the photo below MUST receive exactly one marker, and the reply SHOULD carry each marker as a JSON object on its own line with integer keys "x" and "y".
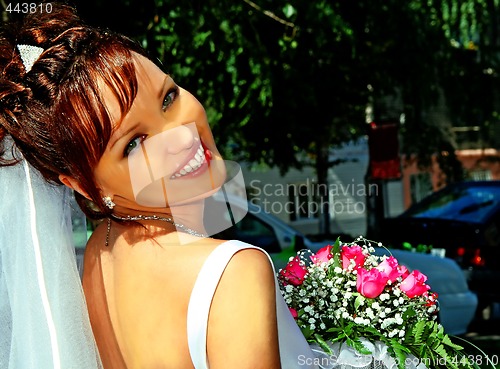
{"x": 323, "y": 255}
{"x": 371, "y": 283}
{"x": 294, "y": 272}
{"x": 414, "y": 284}
{"x": 391, "y": 268}
{"x": 431, "y": 298}
{"x": 355, "y": 253}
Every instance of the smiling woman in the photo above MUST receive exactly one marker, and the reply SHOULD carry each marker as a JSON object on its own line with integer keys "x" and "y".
{"x": 86, "y": 108}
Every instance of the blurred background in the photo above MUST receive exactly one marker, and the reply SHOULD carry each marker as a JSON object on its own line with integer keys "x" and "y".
{"x": 361, "y": 107}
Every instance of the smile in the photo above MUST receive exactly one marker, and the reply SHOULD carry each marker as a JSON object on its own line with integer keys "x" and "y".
{"x": 200, "y": 157}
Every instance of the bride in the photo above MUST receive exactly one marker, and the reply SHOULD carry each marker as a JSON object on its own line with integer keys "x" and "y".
{"x": 88, "y": 109}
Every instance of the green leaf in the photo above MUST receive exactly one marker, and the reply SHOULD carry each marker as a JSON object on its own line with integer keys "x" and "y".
{"x": 323, "y": 344}
{"x": 306, "y": 331}
{"x": 336, "y": 253}
{"x": 358, "y": 301}
{"x": 289, "y": 10}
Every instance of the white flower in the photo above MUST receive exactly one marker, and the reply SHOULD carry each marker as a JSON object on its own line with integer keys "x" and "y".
{"x": 384, "y": 296}
{"x": 359, "y": 320}
{"x": 393, "y": 333}
{"x": 369, "y": 312}
{"x": 399, "y": 319}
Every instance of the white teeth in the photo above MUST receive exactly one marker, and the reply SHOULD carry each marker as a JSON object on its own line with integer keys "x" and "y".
{"x": 193, "y": 164}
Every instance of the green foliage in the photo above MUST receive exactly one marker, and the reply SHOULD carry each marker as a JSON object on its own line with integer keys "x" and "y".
{"x": 426, "y": 339}
{"x": 285, "y": 81}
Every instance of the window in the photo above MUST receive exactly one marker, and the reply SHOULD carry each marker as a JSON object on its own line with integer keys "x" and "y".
{"x": 481, "y": 175}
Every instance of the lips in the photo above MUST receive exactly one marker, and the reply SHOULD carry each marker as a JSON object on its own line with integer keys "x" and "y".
{"x": 200, "y": 159}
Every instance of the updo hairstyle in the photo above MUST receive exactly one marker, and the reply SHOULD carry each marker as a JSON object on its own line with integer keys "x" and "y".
{"x": 55, "y": 113}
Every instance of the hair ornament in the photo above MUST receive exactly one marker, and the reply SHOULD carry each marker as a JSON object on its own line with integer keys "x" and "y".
{"x": 29, "y": 55}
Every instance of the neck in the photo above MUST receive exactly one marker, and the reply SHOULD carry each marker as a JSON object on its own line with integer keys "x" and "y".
{"x": 188, "y": 215}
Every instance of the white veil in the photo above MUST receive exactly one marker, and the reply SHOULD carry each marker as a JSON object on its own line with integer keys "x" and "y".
{"x": 43, "y": 316}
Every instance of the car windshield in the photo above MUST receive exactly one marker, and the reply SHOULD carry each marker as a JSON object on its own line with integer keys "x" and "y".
{"x": 469, "y": 204}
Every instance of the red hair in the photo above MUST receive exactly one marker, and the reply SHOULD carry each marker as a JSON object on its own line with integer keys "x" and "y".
{"x": 55, "y": 113}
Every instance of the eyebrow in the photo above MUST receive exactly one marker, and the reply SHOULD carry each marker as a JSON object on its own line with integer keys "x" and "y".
{"x": 134, "y": 126}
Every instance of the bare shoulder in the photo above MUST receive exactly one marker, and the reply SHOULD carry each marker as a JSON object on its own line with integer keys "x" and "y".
{"x": 245, "y": 298}
{"x": 250, "y": 263}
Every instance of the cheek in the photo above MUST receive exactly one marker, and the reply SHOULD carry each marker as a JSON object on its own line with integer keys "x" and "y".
{"x": 113, "y": 178}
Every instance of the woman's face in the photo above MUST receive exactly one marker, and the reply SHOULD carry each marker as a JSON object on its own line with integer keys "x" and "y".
{"x": 162, "y": 153}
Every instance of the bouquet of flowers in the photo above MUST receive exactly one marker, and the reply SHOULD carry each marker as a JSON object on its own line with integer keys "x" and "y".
{"x": 355, "y": 306}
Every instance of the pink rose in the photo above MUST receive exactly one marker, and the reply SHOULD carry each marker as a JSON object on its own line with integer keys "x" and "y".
{"x": 294, "y": 272}
{"x": 414, "y": 284}
{"x": 391, "y": 268}
{"x": 293, "y": 312}
{"x": 323, "y": 255}
{"x": 352, "y": 253}
{"x": 371, "y": 283}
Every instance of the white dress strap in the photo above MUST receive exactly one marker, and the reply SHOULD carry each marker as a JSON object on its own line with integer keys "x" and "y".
{"x": 201, "y": 299}
{"x": 295, "y": 352}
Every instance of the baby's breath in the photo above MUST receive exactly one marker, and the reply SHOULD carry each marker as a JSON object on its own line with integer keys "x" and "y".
{"x": 328, "y": 296}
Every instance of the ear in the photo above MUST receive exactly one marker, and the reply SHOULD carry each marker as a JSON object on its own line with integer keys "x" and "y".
{"x": 73, "y": 184}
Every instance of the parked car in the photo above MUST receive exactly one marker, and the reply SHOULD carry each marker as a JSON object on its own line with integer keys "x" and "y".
{"x": 457, "y": 302}
{"x": 464, "y": 220}
{"x": 280, "y": 240}
{"x": 258, "y": 228}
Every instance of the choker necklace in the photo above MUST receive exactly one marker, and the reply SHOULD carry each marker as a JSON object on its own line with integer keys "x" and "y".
{"x": 179, "y": 226}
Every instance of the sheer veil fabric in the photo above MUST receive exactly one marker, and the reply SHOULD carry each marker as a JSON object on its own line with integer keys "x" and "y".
{"x": 43, "y": 316}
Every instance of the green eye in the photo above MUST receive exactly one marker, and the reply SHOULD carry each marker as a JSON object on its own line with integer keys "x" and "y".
{"x": 169, "y": 98}
{"x": 132, "y": 145}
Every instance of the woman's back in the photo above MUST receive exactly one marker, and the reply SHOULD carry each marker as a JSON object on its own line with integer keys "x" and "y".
{"x": 141, "y": 292}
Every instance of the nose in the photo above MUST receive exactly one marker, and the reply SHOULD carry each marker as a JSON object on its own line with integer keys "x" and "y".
{"x": 177, "y": 139}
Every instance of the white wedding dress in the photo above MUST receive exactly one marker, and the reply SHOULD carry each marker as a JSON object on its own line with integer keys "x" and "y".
{"x": 295, "y": 352}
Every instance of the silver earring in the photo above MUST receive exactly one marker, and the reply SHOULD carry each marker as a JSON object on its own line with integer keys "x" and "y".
{"x": 108, "y": 202}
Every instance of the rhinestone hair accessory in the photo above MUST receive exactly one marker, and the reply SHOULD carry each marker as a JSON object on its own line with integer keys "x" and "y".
{"x": 29, "y": 55}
